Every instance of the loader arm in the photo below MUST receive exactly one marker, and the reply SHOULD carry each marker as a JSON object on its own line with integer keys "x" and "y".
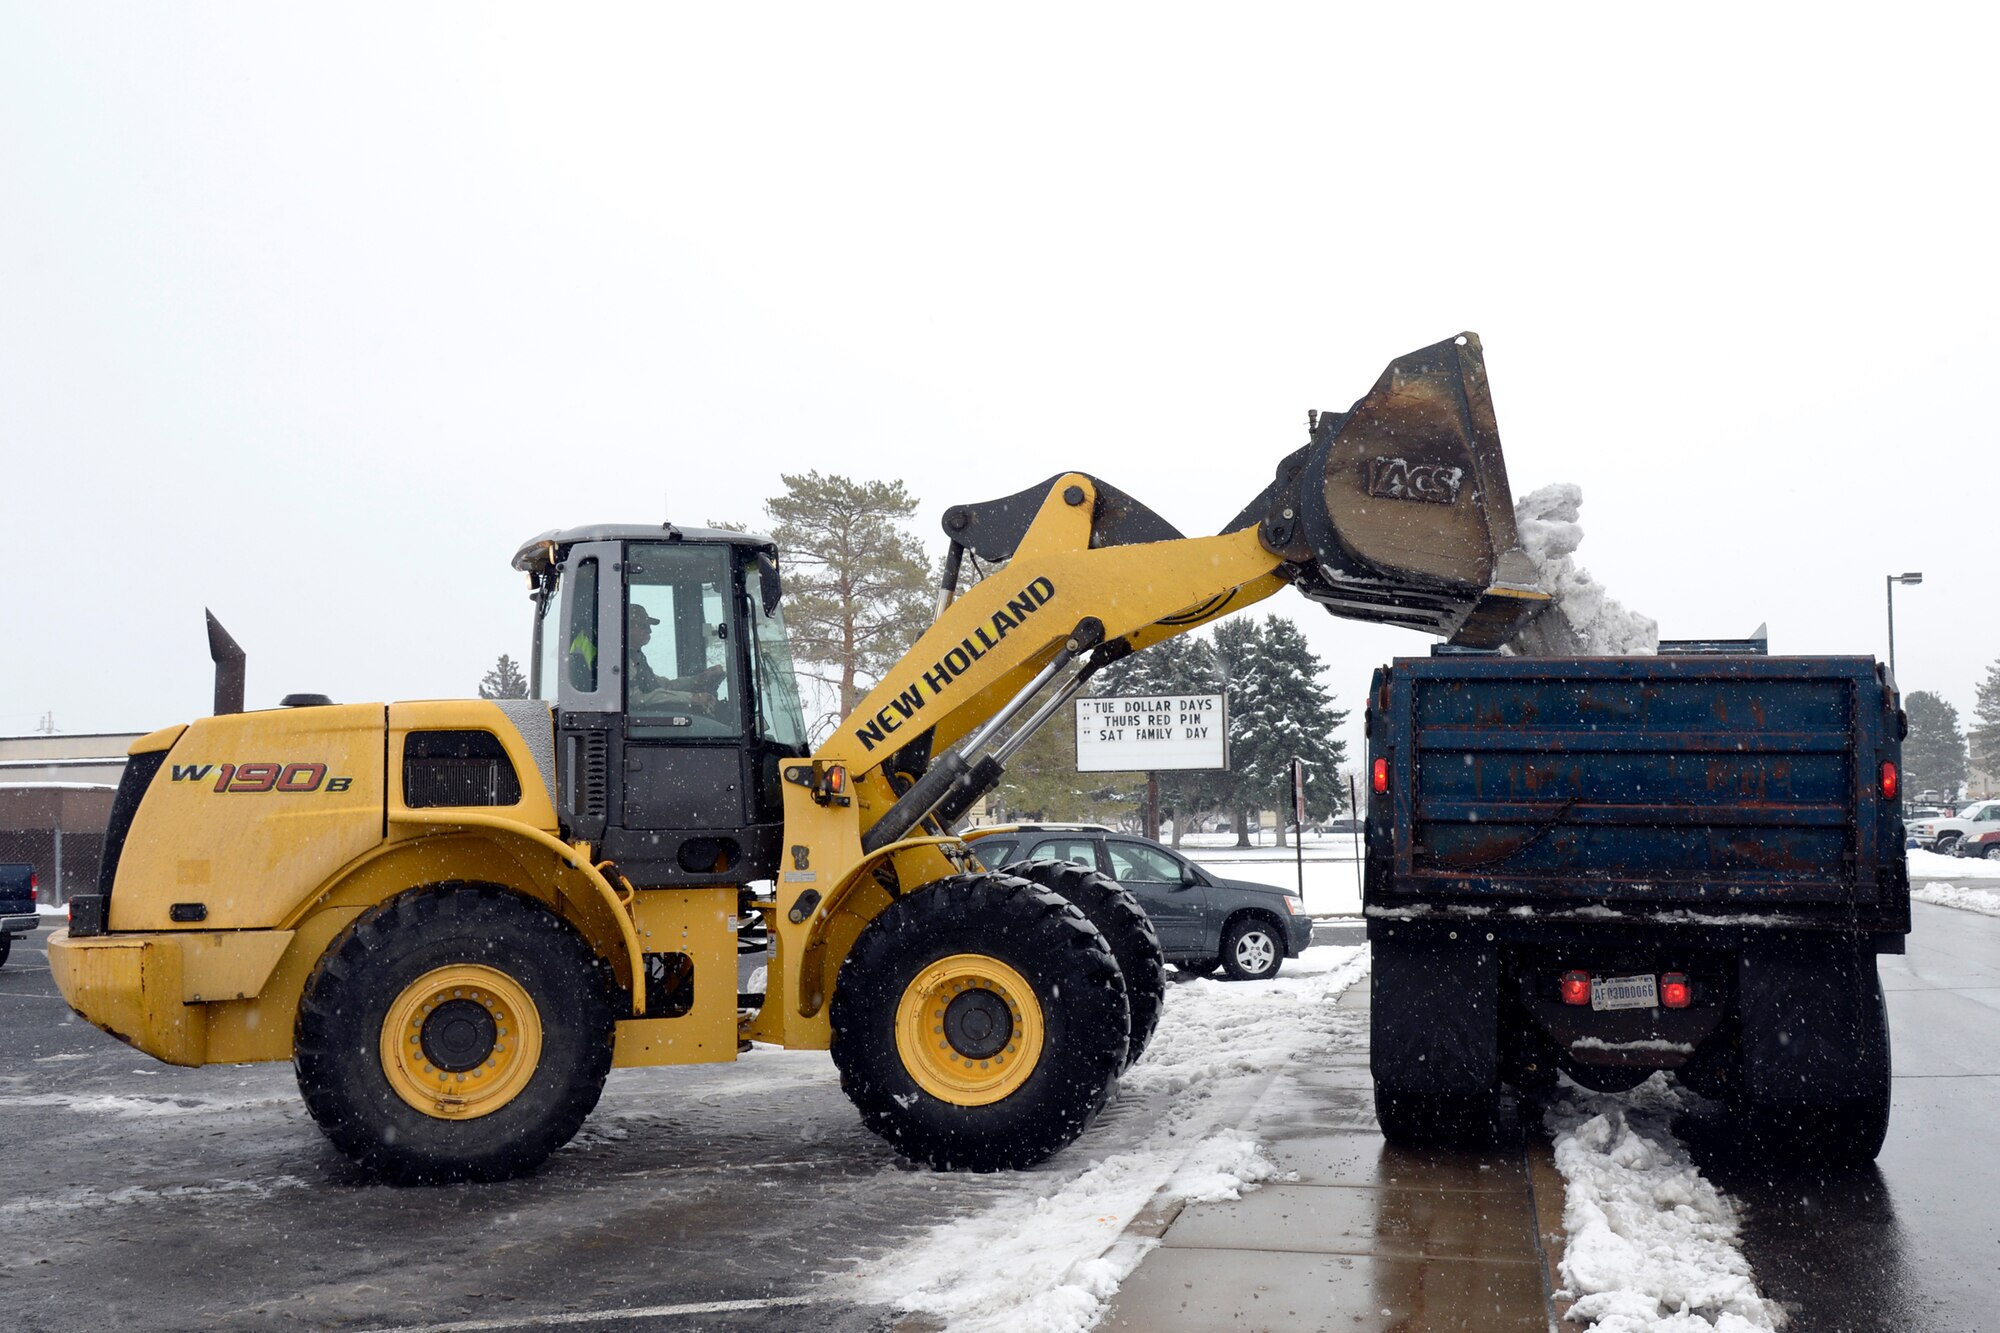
{"x": 1397, "y": 511}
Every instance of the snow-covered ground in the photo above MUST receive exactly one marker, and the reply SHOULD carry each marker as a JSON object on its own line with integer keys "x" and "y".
{"x": 1929, "y": 865}
{"x": 1332, "y": 874}
{"x": 1652, "y": 1246}
{"x": 1048, "y": 1254}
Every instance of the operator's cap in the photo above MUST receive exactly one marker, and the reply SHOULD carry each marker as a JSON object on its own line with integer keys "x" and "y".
{"x": 639, "y": 613}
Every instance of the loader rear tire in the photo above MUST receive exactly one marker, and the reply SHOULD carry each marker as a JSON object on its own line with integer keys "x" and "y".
{"x": 979, "y": 1023}
{"x": 1125, "y": 927}
{"x": 454, "y": 1033}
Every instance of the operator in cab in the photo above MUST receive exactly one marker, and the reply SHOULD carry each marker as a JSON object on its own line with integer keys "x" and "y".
{"x": 695, "y": 691}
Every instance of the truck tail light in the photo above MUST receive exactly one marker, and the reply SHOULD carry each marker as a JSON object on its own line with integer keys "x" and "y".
{"x": 1575, "y": 988}
{"x": 1675, "y": 993}
{"x": 1379, "y": 781}
{"x": 1889, "y": 782}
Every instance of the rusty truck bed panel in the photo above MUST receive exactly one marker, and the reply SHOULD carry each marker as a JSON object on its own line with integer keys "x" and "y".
{"x": 1728, "y": 784}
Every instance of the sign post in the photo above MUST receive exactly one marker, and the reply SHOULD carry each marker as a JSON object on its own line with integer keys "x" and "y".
{"x": 1299, "y": 820}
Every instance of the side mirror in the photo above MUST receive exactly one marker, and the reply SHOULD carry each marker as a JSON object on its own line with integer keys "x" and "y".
{"x": 769, "y": 586}
{"x": 1189, "y": 876}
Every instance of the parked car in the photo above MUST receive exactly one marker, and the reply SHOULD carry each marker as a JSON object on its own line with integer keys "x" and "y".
{"x": 1942, "y": 834}
{"x": 17, "y": 905}
{"x": 1981, "y": 837}
{"x": 1204, "y": 922}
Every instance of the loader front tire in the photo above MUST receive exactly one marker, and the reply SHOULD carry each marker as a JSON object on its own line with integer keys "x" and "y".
{"x": 454, "y": 1033}
{"x": 1125, "y": 927}
{"x": 979, "y": 1023}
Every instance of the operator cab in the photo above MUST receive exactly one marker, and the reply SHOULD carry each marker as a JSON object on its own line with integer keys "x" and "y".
{"x": 664, "y": 652}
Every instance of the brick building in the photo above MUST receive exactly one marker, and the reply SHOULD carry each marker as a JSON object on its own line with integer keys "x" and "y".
{"x": 55, "y": 800}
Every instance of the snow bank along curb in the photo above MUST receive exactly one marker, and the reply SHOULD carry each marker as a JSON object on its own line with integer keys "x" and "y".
{"x": 1932, "y": 865}
{"x": 1651, "y": 1244}
{"x": 1983, "y": 901}
{"x": 1046, "y": 1259}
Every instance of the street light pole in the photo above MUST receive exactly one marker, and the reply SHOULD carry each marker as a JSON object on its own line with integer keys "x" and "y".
{"x": 1889, "y": 585}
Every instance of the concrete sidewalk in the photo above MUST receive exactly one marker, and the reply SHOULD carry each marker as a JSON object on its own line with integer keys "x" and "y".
{"x": 1353, "y": 1234}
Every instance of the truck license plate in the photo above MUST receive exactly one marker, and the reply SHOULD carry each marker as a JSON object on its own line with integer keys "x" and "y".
{"x": 1624, "y": 993}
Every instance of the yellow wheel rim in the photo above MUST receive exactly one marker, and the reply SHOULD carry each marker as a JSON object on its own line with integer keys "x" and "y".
{"x": 969, "y": 1029}
{"x": 461, "y": 1041}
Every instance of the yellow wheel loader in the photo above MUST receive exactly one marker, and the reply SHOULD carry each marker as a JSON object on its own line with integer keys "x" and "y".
{"x": 456, "y": 917}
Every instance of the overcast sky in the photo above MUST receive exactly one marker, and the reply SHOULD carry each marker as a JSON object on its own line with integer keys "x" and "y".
{"x": 313, "y": 314}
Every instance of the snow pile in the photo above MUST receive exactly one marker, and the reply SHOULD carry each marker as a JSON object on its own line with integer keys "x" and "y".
{"x": 1584, "y": 620}
{"x": 1924, "y": 864}
{"x": 1652, "y": 1245}
{"x": 1983, "y": 901}
{"x": 1046, "y": 1258}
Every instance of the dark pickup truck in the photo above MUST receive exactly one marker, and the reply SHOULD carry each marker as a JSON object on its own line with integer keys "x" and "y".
{"x": 17, "y": 905}
{"x": 1603, "y": 867}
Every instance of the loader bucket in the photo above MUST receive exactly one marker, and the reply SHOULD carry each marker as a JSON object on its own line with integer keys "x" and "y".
{"x": 1404, "y": 505}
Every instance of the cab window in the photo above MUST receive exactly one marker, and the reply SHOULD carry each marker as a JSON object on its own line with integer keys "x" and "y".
{"x": 680, "y": 663}
{"x": 780, "y": 715}
{"x": 580, "y": 636}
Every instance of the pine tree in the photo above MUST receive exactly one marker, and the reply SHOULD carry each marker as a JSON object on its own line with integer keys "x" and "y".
{"x": 1985, "y": 736}
{"x": 1934, "y": 751}
{"x": 1278, "y": 710}
{"x": 504, "y": 681}
{"x": 857, "y": 586}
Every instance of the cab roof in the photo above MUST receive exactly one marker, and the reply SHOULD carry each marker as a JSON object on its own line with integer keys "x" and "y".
{"x": 550, "y": 548}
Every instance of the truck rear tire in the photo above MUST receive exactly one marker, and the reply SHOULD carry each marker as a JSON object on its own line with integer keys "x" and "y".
{"x": 979, "y": 1023}
{"x": 454, "y": 1033}
{"x": 1125, "y": 927}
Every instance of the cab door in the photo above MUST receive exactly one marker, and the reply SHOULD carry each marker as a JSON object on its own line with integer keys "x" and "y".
{"x": 684, "y": 807}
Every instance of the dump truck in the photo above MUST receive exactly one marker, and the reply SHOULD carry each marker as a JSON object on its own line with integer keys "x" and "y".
{"x": 455, "y": 917}
{"x": 1604, "y": 867}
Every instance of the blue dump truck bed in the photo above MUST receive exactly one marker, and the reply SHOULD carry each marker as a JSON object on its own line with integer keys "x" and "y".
{"x": 1699, "y": 789}
{"x": 1600, "y": 868}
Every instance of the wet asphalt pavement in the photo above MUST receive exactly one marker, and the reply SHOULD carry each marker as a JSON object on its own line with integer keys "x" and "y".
{"x": 1911, "y": 1242}
{"x": 134, "y": 1194}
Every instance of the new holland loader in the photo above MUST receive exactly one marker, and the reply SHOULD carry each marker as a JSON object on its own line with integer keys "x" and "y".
{"x": 455, "y": 918}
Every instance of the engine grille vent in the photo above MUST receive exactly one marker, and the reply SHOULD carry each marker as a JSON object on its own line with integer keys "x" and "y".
{"x": 595, "y": 780}
{"x": 444, "y": 768}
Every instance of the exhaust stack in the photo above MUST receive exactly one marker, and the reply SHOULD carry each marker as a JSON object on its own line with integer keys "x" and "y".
{"x": 229, "y": 669}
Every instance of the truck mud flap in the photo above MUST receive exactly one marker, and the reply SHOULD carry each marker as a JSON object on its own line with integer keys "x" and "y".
{"x": 1435, "y": 1015}
{"x": 1811, "y": 1034}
